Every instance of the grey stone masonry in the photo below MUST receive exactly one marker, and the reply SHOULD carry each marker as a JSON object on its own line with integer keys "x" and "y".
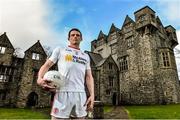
{"x": 28, "y": 84}
{"x": 18, "y": 87}
{"x": 145, "y": 59}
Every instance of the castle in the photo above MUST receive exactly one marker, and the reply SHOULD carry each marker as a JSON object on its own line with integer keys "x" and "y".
{"x": 136, "y": 64}
{"x": 131, "y": 65}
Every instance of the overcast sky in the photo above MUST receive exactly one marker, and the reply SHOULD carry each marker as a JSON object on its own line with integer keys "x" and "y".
{"x": 26, "y": 21}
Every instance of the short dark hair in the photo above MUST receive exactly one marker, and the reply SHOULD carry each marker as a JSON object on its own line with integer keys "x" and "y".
{"x": 74, "y": 29}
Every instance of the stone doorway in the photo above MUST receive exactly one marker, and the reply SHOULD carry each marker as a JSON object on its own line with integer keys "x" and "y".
{"x": 32, "y": 99}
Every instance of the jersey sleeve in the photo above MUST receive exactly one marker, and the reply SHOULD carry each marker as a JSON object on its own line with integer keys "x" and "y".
{"x": 55, "y": 55}
{"x": 88, "y": 63}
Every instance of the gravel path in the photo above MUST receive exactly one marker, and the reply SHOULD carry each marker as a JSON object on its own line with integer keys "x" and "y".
{"x": 118, "y": 112}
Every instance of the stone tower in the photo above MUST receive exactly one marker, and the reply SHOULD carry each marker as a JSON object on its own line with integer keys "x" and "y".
{"x": 145, "y": 57}
{"x": 146, "y": 49}
{"x": 30, "y": 94}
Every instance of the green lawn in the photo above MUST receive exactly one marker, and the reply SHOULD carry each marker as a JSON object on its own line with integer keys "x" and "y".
{"x": 107, "y": 109}
{"x": 154, "y": 111}
{"x": 135, "y": 112}
{"x": 17, "y": 113}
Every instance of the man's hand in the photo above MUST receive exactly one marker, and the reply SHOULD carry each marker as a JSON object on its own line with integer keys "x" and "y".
{"x": 42, "y": 82}
{"x": 45, "y": 84}
{"x": 90, "y": 103}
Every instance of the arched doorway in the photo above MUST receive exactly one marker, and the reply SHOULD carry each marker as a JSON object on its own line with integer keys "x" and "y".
{"x": 114, "y": 98}
{"x": 32, "y": 99}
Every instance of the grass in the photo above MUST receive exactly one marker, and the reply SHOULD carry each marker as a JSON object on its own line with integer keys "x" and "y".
{"x": 108, "y": 109}
{"x": 135, "y": 112}
{"x": 154, "y": 112}
{"x": 18, "y": 113}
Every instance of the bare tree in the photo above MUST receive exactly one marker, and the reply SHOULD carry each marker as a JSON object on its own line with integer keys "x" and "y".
{"x": 48, "y": 50}
{"x": 18, "y": 52}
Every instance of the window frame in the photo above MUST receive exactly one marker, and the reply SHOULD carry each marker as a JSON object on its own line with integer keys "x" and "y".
{"x": 2, "y": 50}
{"x": 123, "y": 63}
{"x": 165, "y": 59}
{"x": 35, "y": 56}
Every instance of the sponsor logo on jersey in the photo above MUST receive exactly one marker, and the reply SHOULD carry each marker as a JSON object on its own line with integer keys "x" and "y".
{"x": 76, "y": 59}
{"x": 68, "y": 58}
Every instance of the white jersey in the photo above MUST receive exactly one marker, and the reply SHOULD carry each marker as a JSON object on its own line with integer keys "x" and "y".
{"x": 72, "y": 64}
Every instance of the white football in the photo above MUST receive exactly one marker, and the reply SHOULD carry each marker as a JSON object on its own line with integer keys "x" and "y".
{"x": 55, "y": 78}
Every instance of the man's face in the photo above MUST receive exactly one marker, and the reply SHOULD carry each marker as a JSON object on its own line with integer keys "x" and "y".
{"x": 75, "y": 38}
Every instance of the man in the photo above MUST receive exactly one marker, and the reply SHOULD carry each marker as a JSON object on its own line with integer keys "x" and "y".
{"x": 74, "y": 65}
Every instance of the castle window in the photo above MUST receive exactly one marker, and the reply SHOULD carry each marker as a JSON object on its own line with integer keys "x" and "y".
{"x": 2, "y": 70}
{"x": 165, "y": 57}
{"x": 9, "y": 71}
{"x": 2, "y": 50}
{"x": 35, "y": 56}
{"x": 142, "y": 17}
{"x": 108, "y": 92}
{"x": 110, "y": 66}
{"x": 3, "y": 78}
{"x": 113, "y": 36}
{"x": 111, "y": 79}
{"x": 123, "y": 62}
{"x": 113, "y": 48}
{"x": 130, "y": 42}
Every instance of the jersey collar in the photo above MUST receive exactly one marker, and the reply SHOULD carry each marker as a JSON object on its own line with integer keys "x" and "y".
{"x": 74, "y": 47}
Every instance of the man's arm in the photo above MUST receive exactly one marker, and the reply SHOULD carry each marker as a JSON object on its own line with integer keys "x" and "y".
{"x": 44, "y": 68}
{"x": 90, "y": 86}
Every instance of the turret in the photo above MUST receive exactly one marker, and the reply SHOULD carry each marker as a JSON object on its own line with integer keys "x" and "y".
{"x": 171, "y": 33}
{"x": 93, "y": 45}
{"x": 144, "y": 17}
